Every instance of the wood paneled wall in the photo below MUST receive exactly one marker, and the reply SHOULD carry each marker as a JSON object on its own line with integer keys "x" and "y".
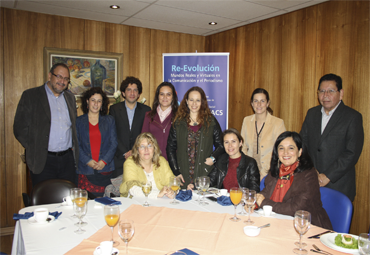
{"x": 288, "y": 54}
{"x": 25, "y": 34}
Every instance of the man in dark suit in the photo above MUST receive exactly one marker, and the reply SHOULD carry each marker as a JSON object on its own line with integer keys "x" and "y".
{"x": 129, "y": 116}
{"x": 334, "y": 136}
{"x": 45, "y": 125}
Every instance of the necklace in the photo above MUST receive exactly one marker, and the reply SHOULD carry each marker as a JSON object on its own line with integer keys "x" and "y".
{"x": 195, "y": 123}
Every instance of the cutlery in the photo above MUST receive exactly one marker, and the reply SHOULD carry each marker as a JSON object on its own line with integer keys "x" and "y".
{"x": 318, "y": 249}
{"x": 318, "y": 235}
{"x": 265, "y": 226}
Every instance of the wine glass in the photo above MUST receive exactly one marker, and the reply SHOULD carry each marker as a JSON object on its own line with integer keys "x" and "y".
{"x": 111, "y": 215}
{"x": 146, "y": 188}
{"x": 80, "y": 210}
{"x": 197, "y": 186}
{"x": 204, "y": 184}
{"x": 73, "y": 194}
{"x": 302, "y": 222}
{"x": 242, "y": 202}
{"x": 235, "y": 197}
{"x": 175, "y": 186}
{"x": 250, "y": 199}
{"x": 80, "y": 198}
{"x": 126, "y": 230}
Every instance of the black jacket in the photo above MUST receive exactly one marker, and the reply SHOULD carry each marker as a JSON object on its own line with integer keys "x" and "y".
{"x": 247, "y": 172}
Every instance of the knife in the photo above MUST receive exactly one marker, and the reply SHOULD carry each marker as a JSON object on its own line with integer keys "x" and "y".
{"x": 318, "y": 235}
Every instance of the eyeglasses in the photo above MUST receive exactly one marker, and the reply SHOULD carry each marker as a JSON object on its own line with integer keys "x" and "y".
{"x": 59, "y": 77}
{"x": 330, "y": 92}
{"x": 143, "y": 147}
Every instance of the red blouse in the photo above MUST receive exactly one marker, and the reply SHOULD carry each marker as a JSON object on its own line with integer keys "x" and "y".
{"x": 231, "y": 178}
{"x": 95, "y": 141}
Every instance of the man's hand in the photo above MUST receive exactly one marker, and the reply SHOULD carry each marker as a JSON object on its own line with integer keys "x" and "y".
{"x": 128, "y": 154}
{"x": 323, "y": 180}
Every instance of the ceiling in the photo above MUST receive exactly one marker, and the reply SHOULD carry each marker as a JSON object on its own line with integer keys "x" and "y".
{"x": 183, "y": 16}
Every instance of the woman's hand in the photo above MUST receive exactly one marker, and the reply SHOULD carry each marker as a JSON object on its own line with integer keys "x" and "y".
{"x": 209, "y": 162}
{"x": 190, "y": 186}
{"x": 92, "y": 163}
{"x": 100, "y": 165}
{"x": 260, "y": 199}
{"x": 181, "y": 178}
{"x": 162, "y": 192}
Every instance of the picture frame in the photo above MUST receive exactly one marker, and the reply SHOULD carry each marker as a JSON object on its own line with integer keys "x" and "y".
{"x": 87, "y": 69}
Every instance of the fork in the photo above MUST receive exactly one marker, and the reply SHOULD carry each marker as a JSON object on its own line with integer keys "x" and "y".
{"x": 322, "y": 251}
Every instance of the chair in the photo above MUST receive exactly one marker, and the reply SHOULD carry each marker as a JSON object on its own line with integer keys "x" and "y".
{"x": 51, "y": 191}
{"x": 262, "y": 183}
{"x": 339, "y": 208}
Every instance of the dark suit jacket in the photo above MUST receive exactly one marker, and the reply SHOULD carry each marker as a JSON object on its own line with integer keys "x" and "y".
{"x": 32, "y": 126}
{"x": 304, "y": 194}
{"x": 126, "y": 137}
{"x": 335, "y": 152}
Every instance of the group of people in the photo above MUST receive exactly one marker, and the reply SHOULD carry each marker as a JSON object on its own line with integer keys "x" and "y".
{"x": 154, "y": 144}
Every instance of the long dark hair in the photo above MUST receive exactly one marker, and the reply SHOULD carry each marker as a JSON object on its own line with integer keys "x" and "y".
{"x": 262, "y": 91}
{"x": 305, "y": 162}
{"x": 204, "y": 115}
{"x": 174, "y": 104}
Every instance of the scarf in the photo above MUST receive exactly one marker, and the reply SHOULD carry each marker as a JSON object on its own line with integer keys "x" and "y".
{"x": 286, "y": 176}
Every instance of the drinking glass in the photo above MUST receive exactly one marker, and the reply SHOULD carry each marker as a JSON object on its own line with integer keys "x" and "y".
{"x": 235, "y": 197}
{"x": 302, "y": 222}
{"x": 196, "y": 184}
{"x": 242, "y": 202}
{"x": 175, "y": 186}
{"x": 80, "y": 210}
{"x": 81, "y": 198}
{"x": 204, "y": 184}
{"x": 126, "y": 230}
{"x": 146, "y": 188}
{"x": 250, "y": 199}
{"x": 364, "y": 243}
{"x": 73, "y": 194}
{"x": 111, "y": 215}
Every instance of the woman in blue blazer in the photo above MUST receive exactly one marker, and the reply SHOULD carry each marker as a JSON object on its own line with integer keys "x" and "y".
{"x": 97, "y": 139}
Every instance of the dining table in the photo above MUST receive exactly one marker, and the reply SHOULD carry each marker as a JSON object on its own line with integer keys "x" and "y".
{"x": 160, "y": 228}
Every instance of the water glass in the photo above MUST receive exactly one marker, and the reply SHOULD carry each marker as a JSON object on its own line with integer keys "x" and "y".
{"x": 364, "y": 243}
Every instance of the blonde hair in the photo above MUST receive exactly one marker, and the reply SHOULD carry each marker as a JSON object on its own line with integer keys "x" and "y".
{"x": 151, "y": 140}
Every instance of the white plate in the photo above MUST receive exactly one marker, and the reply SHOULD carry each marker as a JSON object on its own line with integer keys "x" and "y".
{"x": 65, "y": 204}
{"x": 260, "y": 212}
{"x": 96, "y": 252}
{"x": 32, "y": 220}
{"x": 329, "y": 241}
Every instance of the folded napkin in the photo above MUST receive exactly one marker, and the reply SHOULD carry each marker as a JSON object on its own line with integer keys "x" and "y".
{"x": 224, "y": 201}
{"x": 189, "y": 252}
{"x": 184, "y": 195}
{"x": 28, "y": 215}
{"x": 107, "y": 201}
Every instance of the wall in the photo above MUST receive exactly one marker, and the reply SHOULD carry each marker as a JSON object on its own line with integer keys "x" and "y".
{"x": 288, "y": 54}
{"x": 25, "y": 34}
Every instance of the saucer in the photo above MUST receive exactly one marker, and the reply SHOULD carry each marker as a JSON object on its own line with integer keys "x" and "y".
{"x": 65, "y": 204}
{"x": 33, "y": 221}
{"x": 97, "y": 252}
{"x": 260, "y": 212}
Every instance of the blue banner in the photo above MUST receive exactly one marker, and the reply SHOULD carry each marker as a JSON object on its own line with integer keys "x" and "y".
{"x": 210, "y": 71}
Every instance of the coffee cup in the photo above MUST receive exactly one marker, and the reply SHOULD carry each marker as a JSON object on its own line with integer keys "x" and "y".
{"x": 267, "y": 210}
{"x": 105, "y": 248}
{"x": 67, "y": 200}
{"x": 223, "y": 192}
{"x": 41, "y": 214}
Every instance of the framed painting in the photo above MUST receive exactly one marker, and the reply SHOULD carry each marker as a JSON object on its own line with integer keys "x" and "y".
{"x": 87, "y": 68}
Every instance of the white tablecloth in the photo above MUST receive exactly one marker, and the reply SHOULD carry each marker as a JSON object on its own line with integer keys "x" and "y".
{"x": 50, "y": 239}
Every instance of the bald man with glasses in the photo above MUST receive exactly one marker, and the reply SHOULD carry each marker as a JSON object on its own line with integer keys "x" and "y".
{"x": 334, "y": 136}
{"x": 45, "y": 125}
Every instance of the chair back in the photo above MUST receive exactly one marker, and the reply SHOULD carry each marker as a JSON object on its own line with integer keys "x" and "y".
{"x": 262, "y": 183}
{"x": 339, "y": 208}
{"x": 51, "y": 191}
